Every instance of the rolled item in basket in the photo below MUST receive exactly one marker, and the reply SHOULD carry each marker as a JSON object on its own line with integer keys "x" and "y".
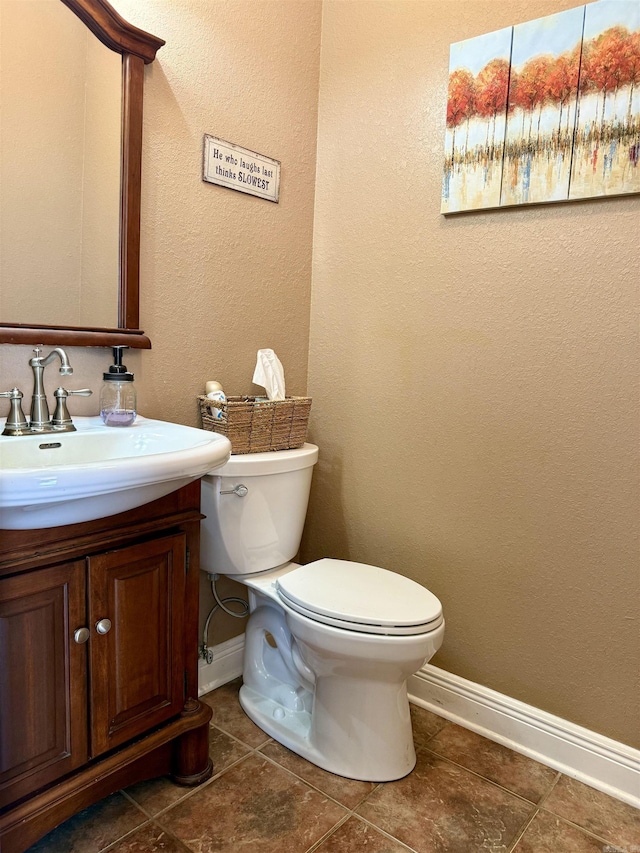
{"x": 269, "y": 373}
{"x": 220, "y": 397}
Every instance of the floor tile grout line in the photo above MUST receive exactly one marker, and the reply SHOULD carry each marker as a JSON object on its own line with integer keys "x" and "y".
{"x": 430, "y": 737}
{"x": 122, "y": 837}
{"x": 480, "y": 776}
{"x": 142, "y": 826}
{"x": 191, "y": 792}
{"x": 327, "y": 834}
{"x": 375, "y": 788}
{"x": 175, "y": 838}
{"x": 214, "y": 777}
{"x": 525, "y": 826}
{"x": 147, "y": 819}
{"x": 239, "y": 740}
{"x": 138, "y": 805}
{"x": 385, "y": 833}
{"x": 347, "y": 817}
{"x": 351, "y": 812}
{"x": 309, "y": 784}
{"x": 546, "y": 796}
{"x": 600, "y": 838}
{"x": 541, "y": 807}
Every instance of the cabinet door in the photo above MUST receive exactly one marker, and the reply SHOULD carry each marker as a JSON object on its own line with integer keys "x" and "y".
{"x": 43, "y": 675}
{"x": 136, "y": 598}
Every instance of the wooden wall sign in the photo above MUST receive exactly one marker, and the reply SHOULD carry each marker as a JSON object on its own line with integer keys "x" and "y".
{"x": 237, "y": 168}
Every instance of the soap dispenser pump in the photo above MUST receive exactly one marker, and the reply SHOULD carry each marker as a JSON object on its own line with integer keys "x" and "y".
{"x": 118, "y": 393}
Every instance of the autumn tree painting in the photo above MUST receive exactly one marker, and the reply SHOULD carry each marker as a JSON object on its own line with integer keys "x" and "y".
{"x": 546, "y": 111}
{"x": 461, "y": 104}
{"x": 607, "y": 134}
{"x": 491, "y": 99}
{"x": 476, "y": 110}
{"x": 543, "y": 93}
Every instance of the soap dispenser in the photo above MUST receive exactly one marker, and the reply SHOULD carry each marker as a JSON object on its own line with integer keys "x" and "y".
{"x": 118, "y": 393}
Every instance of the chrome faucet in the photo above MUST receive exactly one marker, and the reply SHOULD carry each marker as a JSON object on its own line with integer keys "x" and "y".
{"x": 41, "y": 420}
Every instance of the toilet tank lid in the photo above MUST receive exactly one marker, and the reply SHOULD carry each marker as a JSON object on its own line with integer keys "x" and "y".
{"x": 270, "y": 462}
{"x": 360, "y": 593}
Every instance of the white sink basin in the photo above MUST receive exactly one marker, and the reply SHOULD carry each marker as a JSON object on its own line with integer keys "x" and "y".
{"x": 64, "y": 478}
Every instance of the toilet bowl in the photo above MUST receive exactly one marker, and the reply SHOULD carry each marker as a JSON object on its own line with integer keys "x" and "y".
{"x": 329, "y": 645}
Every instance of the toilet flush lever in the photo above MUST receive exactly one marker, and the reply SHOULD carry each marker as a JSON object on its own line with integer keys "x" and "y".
{"x": 240, "y": 490}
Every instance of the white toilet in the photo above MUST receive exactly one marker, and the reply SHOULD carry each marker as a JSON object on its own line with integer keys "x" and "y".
{"x": 329, "y": 645}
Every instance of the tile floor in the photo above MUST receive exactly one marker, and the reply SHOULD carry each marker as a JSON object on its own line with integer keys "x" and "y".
{"x": 466, "y": 794}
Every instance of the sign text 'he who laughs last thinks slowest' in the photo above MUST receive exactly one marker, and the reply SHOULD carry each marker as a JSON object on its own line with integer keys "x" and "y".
{"x": 237, "y": 168}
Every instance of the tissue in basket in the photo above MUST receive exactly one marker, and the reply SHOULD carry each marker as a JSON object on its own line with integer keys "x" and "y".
{"x": 254, "y": 425}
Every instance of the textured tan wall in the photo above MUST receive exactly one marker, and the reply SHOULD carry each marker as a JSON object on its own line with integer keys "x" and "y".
{"x": 475, "y": 379}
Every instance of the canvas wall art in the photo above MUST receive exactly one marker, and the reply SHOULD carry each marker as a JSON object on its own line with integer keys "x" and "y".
{"x": 548, "y": 110}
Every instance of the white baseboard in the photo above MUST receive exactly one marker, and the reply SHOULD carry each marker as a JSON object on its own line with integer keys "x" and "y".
{"x": 601, "y": 762}
{"x": 598, "y": 761}
{"x": 226, "y": 665}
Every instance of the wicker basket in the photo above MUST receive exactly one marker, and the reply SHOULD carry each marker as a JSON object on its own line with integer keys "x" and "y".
{"x": 255, "y": 425}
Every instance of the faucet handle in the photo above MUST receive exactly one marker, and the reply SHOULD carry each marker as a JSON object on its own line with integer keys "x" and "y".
{"x": 16, "y": 422}
{"x": 61, "y": 420}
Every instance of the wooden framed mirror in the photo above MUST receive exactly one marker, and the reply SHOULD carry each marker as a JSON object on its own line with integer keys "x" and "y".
{"x": 137, "y": 48}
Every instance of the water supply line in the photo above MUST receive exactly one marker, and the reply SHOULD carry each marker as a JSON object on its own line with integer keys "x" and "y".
{"x": 206, "y": 653}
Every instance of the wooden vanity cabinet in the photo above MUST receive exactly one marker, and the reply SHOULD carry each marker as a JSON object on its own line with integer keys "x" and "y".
{"x": 43, "y": 678}
{"x": 98, "y": 662}
{"x": 137, "y": 667}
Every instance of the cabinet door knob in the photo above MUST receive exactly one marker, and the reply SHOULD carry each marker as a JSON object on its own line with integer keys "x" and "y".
{"x": 103, "y": 626}
{"x": 81, "y": 635}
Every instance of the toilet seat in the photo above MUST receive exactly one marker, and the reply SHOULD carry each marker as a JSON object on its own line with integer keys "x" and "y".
{"x": 359, "y": 597}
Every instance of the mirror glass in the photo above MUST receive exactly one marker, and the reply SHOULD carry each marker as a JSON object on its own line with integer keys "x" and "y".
{"x": 60, "y": 138}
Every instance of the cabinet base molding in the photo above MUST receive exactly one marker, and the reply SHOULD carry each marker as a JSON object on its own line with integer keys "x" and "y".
{"x": 157, "y": 754}
{"x": 194, "y": 779}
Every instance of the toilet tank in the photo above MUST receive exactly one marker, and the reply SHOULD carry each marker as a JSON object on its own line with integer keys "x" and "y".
{"x": 260, "y": 529}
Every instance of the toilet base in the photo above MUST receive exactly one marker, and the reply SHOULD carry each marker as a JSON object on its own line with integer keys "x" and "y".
{"x": 337, "y": 698}
{"x": 293, "y": 729}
